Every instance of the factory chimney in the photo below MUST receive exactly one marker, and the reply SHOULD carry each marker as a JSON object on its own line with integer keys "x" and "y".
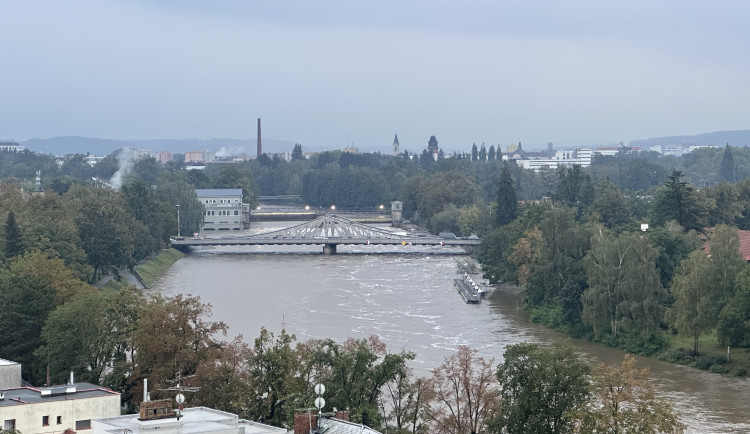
{"x": 260, "y": 146}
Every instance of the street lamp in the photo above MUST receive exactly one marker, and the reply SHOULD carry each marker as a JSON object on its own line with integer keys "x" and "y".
{"x": 333, "y": 207}
{"x": 178, "y": 220}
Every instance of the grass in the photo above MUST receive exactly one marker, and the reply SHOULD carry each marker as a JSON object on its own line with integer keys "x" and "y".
{"x": 155, "y": 268}
{"x": 711, "y": 357}
{"x": 149, "y": 270}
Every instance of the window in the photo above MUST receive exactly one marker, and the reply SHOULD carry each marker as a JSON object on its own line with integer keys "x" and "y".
{"x": 10, "y": 424}
{"x": 59, "y": 420}
{"x": 45, "y": 420}
{"x": 236, "y": 212}
{"x": 83, "y": 424}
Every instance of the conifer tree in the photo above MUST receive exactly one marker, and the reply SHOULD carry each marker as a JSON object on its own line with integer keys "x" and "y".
{"x": 505, "y": 197}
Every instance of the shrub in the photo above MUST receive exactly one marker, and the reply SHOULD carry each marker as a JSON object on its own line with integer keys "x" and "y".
{"x": 681, "y": 356}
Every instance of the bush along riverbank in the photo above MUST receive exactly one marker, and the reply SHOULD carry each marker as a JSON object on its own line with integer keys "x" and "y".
{"x": 666, "y": 346}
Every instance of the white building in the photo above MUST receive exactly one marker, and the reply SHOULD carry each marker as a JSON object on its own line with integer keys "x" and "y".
{"x": 224, "y": 208}
{"x": 57, "y": 408}
{"x": 11, "y": 146}
{"x": 192, "y": 420}
{"x": 563, "y": 157}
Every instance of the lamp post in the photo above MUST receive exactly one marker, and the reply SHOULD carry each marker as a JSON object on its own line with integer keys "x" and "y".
{"x": 178, "y": 220}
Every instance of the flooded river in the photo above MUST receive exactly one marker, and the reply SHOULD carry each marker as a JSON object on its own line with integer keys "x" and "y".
{"x": 405, "y": 295}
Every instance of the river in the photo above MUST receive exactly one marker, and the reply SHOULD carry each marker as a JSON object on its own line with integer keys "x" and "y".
{"x": 405, "y": 295}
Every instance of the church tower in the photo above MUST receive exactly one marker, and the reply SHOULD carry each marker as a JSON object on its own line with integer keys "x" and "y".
{"x": 395, "y": 145}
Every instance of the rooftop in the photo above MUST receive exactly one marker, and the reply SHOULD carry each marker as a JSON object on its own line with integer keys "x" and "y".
{"x": 32, "y": 395}
{"x": 193, "y": 420}
{"x": 216, "y": 192}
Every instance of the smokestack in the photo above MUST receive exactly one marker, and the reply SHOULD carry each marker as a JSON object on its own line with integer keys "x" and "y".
{"x": 145, "y": 390}
{"x": 260, "y": 146}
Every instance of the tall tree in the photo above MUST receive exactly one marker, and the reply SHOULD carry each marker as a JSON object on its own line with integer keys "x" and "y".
{"x": 507, "y": 203}
{"x": 273, "y": 367}
{"x": 465, "y": 394}
{"x": 727, "y": 170}
{"x": 483, "y": 153}
{"x": 692, "y": 313}
{"x": 491, "y": 153}
{"x": 733, "y": 326}
{"x": 574, "y": 188}
{"x": 625, "y": 402}
{"x": 474, "y": 152}
{"x": 541, "y": 388}
{"x": 625, "y": 292}
{"x": 13, "y": 236}
{"x": 677, "y": 200}
{"x": 297, "y": 152}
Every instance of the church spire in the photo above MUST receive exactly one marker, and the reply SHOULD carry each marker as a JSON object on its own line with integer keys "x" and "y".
{"x": 395, "y": 145}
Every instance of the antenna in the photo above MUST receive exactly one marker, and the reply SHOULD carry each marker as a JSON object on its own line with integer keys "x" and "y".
{"x": 320, "y": 402}
{"x": 180, "y": 398}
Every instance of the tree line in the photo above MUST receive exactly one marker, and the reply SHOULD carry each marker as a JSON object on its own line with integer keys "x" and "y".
{"x": 590, "y": 267}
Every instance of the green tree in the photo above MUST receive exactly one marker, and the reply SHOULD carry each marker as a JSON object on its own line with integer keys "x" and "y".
{"x": 727, "y": 170}
{"x": 104, "y": 228}
{"x": 727, "y": 205}
{"x": 474, "y": 152}
{"x": 507, "y": 203}
{"x": 677, "y": 200}
{"x": 491, "y": 153}
{"x": 483, "y": 153}
{"x": 692, "y": 313}
{"x": 354, "y": 375}
{"x": 297, "y": 152}
{"x": 559, "y": 277}
{"x": 674, "y": 246}
{"x": 611, "y": 206}
{"x": 273, "y": 366}
{"x": 13, "y": 236}
{"x": 25, "y": 302}
{"x": 574, "y": 187}
{"x": 465, "y": 392}
{"x": 625, "y": 292}
{"x": 625, "y": 402}
{"x": 733, "y": 326}
{"x": 540, "y": 389}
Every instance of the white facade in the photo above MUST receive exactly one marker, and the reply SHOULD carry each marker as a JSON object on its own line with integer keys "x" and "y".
{"x": 223, "y": 208}
{"x": 55, "y": 409}
{"x": 563, "y": 157}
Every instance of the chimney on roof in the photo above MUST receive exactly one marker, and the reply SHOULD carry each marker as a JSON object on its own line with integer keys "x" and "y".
{"x": 260, "y": 146}
{"x": 71, "y": 382}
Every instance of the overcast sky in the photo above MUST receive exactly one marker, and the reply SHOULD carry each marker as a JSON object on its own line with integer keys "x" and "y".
{"x": 343, "y": 72}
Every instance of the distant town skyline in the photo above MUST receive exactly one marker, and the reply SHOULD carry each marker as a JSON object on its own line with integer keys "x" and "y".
{"x": 337, "y": 73}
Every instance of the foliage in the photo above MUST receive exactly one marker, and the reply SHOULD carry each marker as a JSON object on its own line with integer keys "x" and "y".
{"x": 733, "y": 326}
{"x": 625, "y": 292}
{"x": 465, "y": 394}
{"x": 677, "y": 200}
{"x": 541, "y": 388}
{"x": 13, "y": 237}
{"x": 625, "y": 402}
{"x": 692, "y": 313}
{"x": 505, "y": 197}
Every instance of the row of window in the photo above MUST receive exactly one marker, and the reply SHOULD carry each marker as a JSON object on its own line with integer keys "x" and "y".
{"x": 222, "y": 212}
{"x": 222, "y": 201}
{"x": 10, "y": 424}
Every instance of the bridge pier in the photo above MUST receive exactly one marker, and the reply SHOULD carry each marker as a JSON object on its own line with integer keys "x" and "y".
{"x": 329, "y": 249}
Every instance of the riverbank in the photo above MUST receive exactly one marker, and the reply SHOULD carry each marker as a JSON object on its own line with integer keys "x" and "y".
{"x": 145, "y": 273}
{"x": 668, "y": 347}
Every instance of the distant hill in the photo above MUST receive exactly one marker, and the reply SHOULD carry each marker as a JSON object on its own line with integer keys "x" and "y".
{"x": 97, "y": 146}
{"x": 738, "y": 138}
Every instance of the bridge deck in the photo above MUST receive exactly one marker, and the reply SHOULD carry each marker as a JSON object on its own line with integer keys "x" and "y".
{"x": 238, "y": 241}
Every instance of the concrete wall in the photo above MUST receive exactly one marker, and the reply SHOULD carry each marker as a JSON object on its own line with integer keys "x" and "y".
{"x": 29, "y": 417}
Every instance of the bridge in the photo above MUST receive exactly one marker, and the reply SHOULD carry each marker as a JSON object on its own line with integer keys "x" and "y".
{"x": 329, "y": 231}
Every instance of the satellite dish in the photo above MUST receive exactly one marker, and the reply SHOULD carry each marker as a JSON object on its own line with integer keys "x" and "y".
{"x": 180, "y": 398}
{"x": 320, "y": 389}
{"x": 320, "y": 402}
